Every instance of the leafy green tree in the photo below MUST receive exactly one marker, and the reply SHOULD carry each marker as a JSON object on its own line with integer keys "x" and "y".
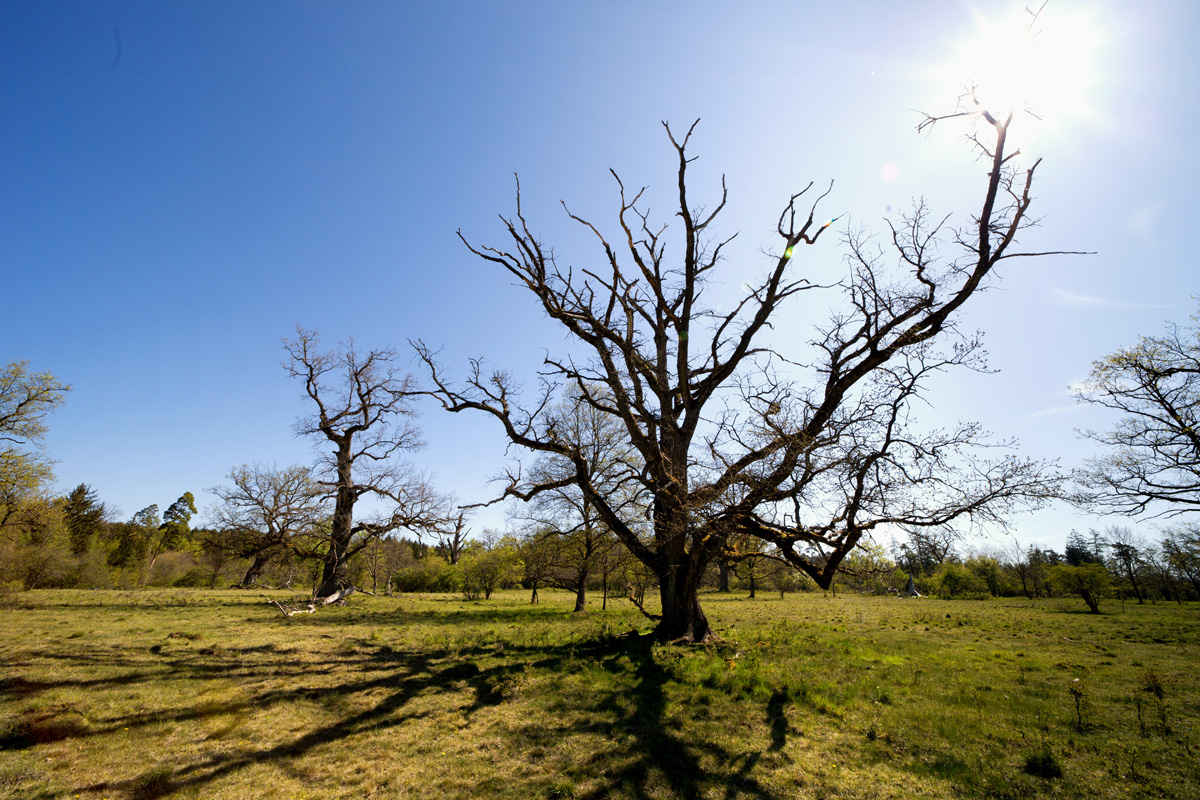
{"x": 173, "y": 530}
{"x": 132, "y": 540}
{"x": 85, "y": 515}
{"x": 26, "y": 400}
{"x": 869, "y": 569}
{"x": 489, "y": 565}
{"x": 953, "y": 579}
{"x": 1181, "y": 549}
{"x": 1090, "y": 581}
{"x": 987, "y": 569}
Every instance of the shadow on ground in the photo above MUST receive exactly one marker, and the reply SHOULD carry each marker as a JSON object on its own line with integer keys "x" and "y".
{"x": 649, "y": 754}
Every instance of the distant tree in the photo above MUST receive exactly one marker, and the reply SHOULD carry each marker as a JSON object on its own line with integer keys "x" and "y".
{"x": 384, "y": 556}
{"x": 782, "y": 576}
{"x": 536, "y": 550}
{"x": 491, "y": 564}
{"x": 173, "y": 530}
{"x": 953, "y": 579}
{"x": 84, "y": 515}
{"x": 26, "y": 400}
{"x": 748, "y": 555}
{"x": 1127, "y": 557}
{"x": 868, "y": 569}
{"x": 262, "y": 512}
{"x": 1017, "y": 561}
{"x": 568, "y": 515}
{"x": 36, "y": 550}
{"x": 451, "y": 538}
{"x": 1181, "y": 549}
{"x": 1080, "y": 550}
{"x": 1090, "y": 581}
{"x": 132, "y": 540}
{"x": 1152, "y": 458}
{"x": 987, "y": 569}
{"x": 925, "y": 550}
{"x": 363, "y": 408}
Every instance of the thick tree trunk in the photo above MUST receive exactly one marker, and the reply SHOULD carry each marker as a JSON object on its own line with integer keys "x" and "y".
{"x": 682, "y": 617}
{"x": 254, "y": 572}
{"x": 334, "y": 575}
{"x": 722, "y": 576}
{"x": 581, "y": 590}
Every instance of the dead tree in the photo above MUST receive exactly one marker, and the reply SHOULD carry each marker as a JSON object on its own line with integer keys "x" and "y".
{"x": 262, "y": 514}
{"x": 735, "y": 438}
{"x": 363, "y": 408}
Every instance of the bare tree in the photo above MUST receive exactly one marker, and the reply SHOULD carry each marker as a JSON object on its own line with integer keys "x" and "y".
{"x": 1153, "y": 458}
{"x": 452, "y": 537}
{"x": 1127, "y": 557}
{"x": 262, "y": 513}
{"x": 564, "y": 515}
{"x": 363, "y": 408}
{"x": 731, "y": 437}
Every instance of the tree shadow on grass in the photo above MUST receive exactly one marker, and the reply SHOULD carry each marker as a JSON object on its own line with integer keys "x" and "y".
{"x": 649, "y": 752}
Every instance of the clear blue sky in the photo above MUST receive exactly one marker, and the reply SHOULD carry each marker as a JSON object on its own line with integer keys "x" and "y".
{"x": 182, "y": 183}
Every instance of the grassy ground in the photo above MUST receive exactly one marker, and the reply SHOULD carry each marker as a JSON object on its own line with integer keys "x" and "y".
{"x": 216, "y": 695}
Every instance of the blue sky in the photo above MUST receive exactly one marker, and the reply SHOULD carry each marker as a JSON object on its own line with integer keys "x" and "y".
{"x": 182, "y": 183}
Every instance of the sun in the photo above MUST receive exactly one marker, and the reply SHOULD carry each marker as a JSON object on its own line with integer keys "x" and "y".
{"x": 1036, "y": 59}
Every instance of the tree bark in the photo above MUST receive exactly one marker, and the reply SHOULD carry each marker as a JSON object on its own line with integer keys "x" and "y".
{"x": 682, "y": 617}
{"x": 254, "y": 572}
{"x": 581, "y": 589}
{"x": 334, "y": 573}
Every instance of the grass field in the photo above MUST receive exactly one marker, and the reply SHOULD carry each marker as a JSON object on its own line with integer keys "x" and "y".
{"x": 216, "y": 695}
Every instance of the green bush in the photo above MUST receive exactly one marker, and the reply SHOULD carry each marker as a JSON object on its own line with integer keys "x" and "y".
{"x": 956, "y": 581}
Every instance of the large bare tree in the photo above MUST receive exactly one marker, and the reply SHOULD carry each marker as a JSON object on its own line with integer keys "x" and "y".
{"x": 263, "y": 514}
{"x": 1152, "y": 458}
{"x": 363, "y": 408}
{"x": 732, "y": 437}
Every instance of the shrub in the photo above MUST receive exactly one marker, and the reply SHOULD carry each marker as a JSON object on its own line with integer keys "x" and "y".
{"x": 955, "y": 580}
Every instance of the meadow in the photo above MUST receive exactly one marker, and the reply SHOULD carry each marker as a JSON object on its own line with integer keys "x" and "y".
{"x": 197, "y": 694}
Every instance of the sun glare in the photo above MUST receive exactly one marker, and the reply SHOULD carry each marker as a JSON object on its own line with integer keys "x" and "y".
{"x": 1042, "y": 62}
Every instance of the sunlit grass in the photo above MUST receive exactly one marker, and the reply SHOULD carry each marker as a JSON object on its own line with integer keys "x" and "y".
{"x": 216, "y": 695}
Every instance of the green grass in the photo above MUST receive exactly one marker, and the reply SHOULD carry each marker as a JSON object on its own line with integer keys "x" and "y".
{"x": 215, "y": 695}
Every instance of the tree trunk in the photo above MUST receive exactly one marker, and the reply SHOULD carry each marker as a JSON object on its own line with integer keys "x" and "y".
{"x": 682, "y": 617}
{"x": 581, "y": 589}
{"x": 252, "y": 574}
{"x": 722, "y": 576}
{"x": 334, "y": 573}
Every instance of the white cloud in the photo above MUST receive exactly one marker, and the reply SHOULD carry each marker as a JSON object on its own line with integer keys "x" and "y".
{"x": 1062, "y": 297}
{"x": 1069, "y": 299}
{"x": 1059, "y": 409}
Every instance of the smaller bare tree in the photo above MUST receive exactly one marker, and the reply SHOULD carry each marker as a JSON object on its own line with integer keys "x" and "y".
{"x": 363, "y": 408}
{"x": 262, "y": 513}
